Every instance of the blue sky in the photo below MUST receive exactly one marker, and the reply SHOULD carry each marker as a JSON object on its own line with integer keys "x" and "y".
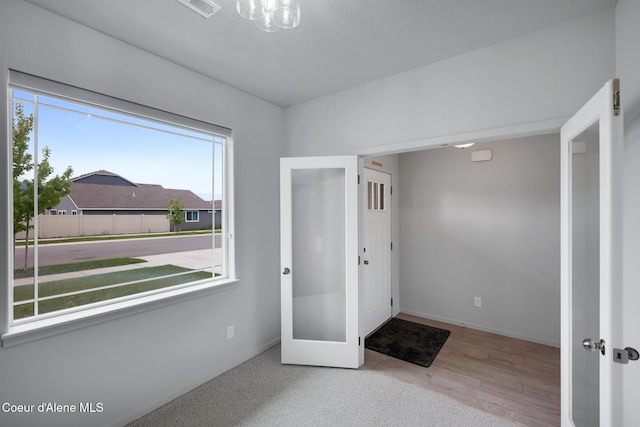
{"x": 141, "y": 151}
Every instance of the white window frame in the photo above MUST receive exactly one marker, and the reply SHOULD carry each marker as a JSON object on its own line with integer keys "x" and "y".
{"x": 186, "y": 216}
{"x": 15, "y": 333}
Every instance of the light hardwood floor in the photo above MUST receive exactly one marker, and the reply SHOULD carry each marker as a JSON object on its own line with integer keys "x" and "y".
{"x": 514, "y": 379}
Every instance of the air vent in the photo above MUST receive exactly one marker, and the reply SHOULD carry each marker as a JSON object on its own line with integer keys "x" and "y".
{"x": 204, "y": 8}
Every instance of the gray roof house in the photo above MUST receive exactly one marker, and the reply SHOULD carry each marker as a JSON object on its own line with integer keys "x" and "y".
{"x": 106, "y": 193}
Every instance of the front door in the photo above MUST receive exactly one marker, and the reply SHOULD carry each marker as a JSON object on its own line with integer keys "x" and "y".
{"x": 591, "y": 261}
{"x": 376, "y": 251}
{"x": 319, "y": 261}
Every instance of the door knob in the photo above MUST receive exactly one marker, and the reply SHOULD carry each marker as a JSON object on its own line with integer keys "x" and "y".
{"x": 286, "y": 270}
{"x": 593, "y": 345}
{"x": 366, "y": 262}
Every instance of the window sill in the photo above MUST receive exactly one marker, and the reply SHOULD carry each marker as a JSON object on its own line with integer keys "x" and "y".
{"x": 44, "y": 328}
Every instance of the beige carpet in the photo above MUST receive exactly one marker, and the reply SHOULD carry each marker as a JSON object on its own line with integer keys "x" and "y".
{"x": 263, "y": 392}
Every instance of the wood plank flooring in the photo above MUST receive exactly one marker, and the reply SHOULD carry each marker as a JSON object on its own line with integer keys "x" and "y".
{"x": 513, "y": 379}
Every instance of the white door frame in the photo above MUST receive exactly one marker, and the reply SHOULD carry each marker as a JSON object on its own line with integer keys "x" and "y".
{"x": 598, "y": 109}
{"x": 544, "y": 127}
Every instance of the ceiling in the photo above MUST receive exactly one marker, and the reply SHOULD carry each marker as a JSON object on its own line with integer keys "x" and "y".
{"x": 339, "y": 43}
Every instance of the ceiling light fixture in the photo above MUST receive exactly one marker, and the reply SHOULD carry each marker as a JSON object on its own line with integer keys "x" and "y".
{"x": 271, "y": 15}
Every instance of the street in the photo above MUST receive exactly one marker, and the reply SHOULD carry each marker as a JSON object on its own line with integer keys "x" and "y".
{"x": 63, "y": 253}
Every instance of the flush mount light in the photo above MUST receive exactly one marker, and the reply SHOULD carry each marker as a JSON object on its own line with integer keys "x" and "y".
{"x": 463, "y": 146}
{"x": 271, "y": 15}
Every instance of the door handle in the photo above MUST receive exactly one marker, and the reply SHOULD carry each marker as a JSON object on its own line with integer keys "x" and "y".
{"x": 286, "y": 270}
{"x": 366, "y": 262}
{"x": 593, "y": 345}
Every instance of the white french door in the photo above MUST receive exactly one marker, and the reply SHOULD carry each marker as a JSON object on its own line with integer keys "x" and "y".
{"x": 376, "y": 265}
{"x": 591, "y": 143}
{"x": 319, "y": 261}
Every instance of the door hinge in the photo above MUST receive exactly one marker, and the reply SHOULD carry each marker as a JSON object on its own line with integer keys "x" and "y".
{"x": 359, "y": 341}
{"x": 391, "y": 302}
{"x": 391, "y": 245}
{"x": 358, "y": 178}
{"x": 616, "y": 97}
{"x": 358, "y": 259}
{"x": 391, "y": 189}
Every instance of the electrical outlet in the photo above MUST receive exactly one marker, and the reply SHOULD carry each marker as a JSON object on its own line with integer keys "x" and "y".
{"x": 477, "y": 302}
{"x": 230, "y": 332}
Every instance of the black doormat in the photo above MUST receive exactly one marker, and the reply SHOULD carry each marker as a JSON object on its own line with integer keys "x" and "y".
{"x": 408, "y": 341}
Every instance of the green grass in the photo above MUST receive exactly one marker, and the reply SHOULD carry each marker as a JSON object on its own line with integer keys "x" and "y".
{"x": 75, "y": 266}
{"x": 25, "y": 292}
{"x": 119, "y": 237}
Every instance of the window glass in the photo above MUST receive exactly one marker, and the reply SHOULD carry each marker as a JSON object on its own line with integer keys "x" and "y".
{"x": 192, "y": 216}
{"x": 137, "y": 188}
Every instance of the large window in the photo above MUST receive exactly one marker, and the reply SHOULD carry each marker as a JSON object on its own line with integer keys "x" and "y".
{"x": 141, "y": 185}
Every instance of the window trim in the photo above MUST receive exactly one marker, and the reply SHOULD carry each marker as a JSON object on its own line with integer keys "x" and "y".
{"x": 46, "y": 327}
{"x": 24, "y": 331}
{"x": 186, "y": 216}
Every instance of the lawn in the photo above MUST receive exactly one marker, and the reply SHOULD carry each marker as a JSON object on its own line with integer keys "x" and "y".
{"x": 25, "y": 292}
{"x": 76, "y": 266}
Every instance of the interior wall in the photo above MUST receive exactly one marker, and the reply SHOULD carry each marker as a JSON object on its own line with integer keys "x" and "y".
{"x": 484, "y": 229}
{"x": 544, "y": 75}
{"x": 136, "y": 363}
{"x": 541, "y": 76}
{"x": 628, "y": 70}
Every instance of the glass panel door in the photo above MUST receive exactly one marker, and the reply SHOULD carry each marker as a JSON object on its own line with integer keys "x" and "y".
{"x": 319, "y": 271}
{"x": 319, "y": 265}
{"x": 585, "y": 282}
{"x": 591, "y": 148}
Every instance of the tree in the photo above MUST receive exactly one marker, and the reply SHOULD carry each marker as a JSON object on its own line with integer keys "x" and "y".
{"x": 22, "y": 163}
{"x": 49, "y": 189}
{"x": 175, "y": 216}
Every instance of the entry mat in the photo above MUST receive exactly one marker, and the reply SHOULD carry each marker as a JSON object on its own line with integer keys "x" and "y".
{"x": 408, "y": 341}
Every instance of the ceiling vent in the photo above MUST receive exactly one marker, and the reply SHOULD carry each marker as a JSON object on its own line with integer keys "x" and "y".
{"x": 204, "y": 8}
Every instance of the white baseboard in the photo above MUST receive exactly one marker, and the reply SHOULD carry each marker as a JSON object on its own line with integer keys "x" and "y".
{"x": 481, "y": 328}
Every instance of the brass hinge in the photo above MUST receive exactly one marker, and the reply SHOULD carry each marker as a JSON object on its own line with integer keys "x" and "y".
{"x": 616, "y": 97}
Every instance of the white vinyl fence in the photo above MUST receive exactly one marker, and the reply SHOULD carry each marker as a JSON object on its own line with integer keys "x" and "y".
{"x": 51, "y": 226}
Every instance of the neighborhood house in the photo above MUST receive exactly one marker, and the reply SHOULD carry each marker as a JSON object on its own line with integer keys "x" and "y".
{"x": 106, "y": 193}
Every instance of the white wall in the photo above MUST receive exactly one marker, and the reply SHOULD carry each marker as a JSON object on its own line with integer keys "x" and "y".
{"x": 544, "y": 75}
{"x": 136, "y": 363}
{"x": 628, "y": 69}
{"x": 485, "y": 229}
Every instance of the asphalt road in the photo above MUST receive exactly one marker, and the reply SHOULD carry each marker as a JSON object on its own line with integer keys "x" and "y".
{"x": 76, "y": 252}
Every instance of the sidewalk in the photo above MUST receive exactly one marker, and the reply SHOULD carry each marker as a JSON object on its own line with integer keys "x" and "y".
{"x": 193, "y": 260}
